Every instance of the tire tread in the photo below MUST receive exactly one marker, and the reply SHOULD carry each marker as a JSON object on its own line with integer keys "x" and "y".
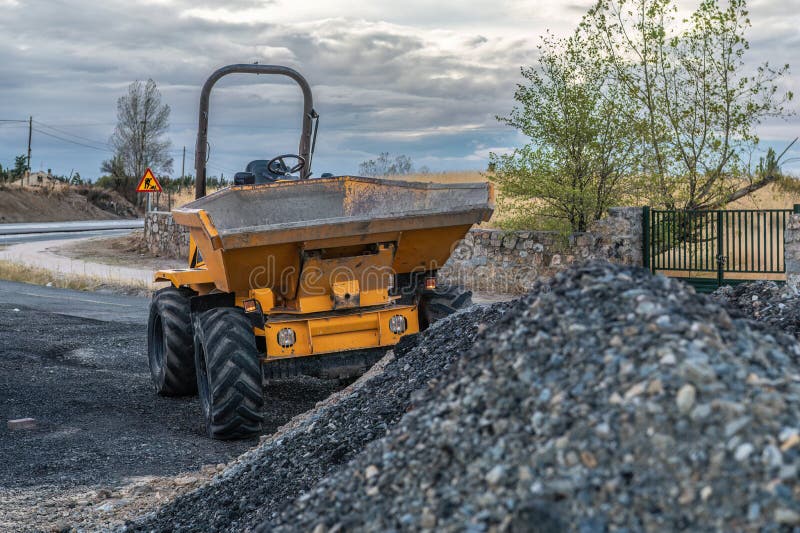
{"x": 233, "y": 374}
{"x": 178, "y": 378}
{"x": 444, "y": 302}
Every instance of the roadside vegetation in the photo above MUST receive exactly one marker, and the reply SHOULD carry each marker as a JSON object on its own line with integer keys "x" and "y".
{"x": 386, "y": 165}
{"x": 12, "y": 271}
{"x": 638, "y": 106}
{"x": 15, "y": 173}
{"x": 138, "y": 140}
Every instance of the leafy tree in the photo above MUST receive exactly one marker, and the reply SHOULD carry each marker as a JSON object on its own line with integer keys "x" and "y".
{"x": 215, "y": 182}
{"x": 185, "y": 182}
{"x": 138, "y": 140}
{"x": 583, "y": 145}
{"x": 696, "y": 104}
{"x": 20, "y": 167}
{"x": 769, "y": 169}
{"x": 384, "y": 165}
{"x": 115, "y": 177}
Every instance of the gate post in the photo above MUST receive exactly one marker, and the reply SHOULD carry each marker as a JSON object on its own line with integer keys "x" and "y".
{"x": 646, "y": 237}
{"x": 720, "y": 251}
{"x": 791, "y": 249}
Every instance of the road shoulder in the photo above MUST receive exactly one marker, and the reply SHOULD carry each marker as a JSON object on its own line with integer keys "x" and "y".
{"x": 53, "y": 256}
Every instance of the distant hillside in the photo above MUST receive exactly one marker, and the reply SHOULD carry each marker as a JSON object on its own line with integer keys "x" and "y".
{"x": 37, "y": 204}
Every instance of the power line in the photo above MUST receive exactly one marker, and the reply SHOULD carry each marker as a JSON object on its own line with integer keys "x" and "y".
{"x": 220, "y": 169}
{"x": 82, "y": 124}
{"x": 37, "y": 130}
{"x": 101, "y": 143}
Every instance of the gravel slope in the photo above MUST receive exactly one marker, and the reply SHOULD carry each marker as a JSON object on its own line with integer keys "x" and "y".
{"x": 265, "y": 481}
{"x": 763, "y": 301}
{"x": 607, "y": 400}
{"x": 611, "y": 399}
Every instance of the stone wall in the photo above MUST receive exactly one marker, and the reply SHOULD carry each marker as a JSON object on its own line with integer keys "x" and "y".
{"x": 510, "y": 262}
{"x": 164, "y": 237}
{"x": 792, "y": 251}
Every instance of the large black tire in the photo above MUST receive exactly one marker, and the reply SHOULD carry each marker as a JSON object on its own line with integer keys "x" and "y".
{"x": 170, "y": 350}
{"x": 228, "y": 373}
{"x": 438, "y": 304}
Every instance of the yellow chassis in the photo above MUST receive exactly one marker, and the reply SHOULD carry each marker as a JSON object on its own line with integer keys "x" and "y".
{"x": 336, "y": 333}
{"x": 318, "y": 326}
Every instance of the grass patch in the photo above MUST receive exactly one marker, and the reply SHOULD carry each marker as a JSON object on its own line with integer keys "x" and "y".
{"x": 12, "y": 271}
{"x": 462, "y": 176}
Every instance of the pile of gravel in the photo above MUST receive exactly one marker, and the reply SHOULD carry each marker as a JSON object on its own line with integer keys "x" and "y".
{"x": 764, "y": 301}
{"x": 609, "y": 399}
{"x": 267, "y": 479}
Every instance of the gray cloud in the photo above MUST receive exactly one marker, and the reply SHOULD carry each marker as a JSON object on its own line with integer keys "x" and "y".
{"x": 416, "y": 79}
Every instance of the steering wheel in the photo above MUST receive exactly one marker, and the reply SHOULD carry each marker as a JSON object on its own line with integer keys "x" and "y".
{"x": 278, "y": 166}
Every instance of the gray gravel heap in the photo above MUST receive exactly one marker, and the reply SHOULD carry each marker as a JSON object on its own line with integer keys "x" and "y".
{"x": 607, "y": 400}
{"x": 765, "y": 301}
{"x": 269, "y": 478}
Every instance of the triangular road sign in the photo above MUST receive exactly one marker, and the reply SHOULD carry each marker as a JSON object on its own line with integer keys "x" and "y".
{"x": 148, "y": 183}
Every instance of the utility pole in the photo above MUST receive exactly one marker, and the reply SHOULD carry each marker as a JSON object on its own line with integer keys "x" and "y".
{"x": 30, "y": 135}
{"x": 143, "y": 160}
{"x": 183, "y": 164}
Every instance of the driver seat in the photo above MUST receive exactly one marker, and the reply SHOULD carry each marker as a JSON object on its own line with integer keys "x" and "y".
{"x": 257, "y": 173}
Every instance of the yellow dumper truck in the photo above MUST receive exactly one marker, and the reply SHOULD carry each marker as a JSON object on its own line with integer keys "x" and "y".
{"x": 289, "y": 273}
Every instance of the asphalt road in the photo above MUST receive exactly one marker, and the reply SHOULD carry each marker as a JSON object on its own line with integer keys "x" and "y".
{"x": 50, "y": 231}
{"x": 16, "y": 238}
{"x": 61, "y": 227}
{"x": 105, "y": 307}
{"x": 76, "y": 362}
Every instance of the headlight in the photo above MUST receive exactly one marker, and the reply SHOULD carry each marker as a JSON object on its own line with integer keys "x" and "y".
{"x": 286, "y": 337}
{"x": 398, "y": 324}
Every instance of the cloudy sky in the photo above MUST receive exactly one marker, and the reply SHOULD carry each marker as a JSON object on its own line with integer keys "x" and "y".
{"x": 415, "y": 77}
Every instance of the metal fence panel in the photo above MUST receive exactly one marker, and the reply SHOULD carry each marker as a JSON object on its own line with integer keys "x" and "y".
{"x": 706, "y": 245}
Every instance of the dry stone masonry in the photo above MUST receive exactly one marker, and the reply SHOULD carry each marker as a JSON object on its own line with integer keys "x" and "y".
{"x": 792, "y": 251}
{"x": 164, "y": 237}
{"x": 511, "y": 262}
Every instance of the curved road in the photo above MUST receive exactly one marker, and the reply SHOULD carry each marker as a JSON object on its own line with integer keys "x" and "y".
{"x": 51, "y": 231}
{"x": 77, "y": 225}
{"x": 95, "y": 305}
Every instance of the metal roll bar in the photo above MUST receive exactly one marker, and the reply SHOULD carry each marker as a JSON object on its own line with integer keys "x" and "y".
{"x": 202, "y": 129}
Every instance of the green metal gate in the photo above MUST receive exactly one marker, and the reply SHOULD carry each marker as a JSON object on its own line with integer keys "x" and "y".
{"x": 711, "y": 248}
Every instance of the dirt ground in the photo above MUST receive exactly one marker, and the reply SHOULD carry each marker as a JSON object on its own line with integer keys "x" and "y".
{"x": 102, "y": 435}
{"x": 127, "y": 250}
{"x": 36, "y": 204}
